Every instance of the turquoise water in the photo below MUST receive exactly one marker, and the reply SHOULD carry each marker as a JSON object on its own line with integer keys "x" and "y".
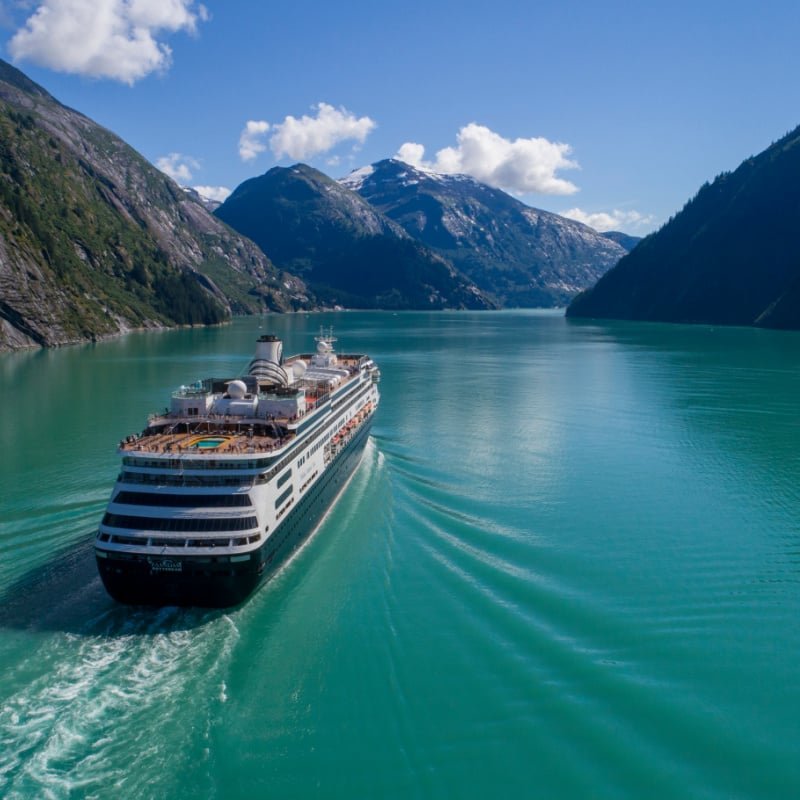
{"x": 568, "y": 567}
{"x": 204, "y": 444}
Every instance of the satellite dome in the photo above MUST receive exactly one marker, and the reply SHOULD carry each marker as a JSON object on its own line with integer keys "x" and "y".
{"x": 237, "y": 390}
{"x": 299, "y": 368}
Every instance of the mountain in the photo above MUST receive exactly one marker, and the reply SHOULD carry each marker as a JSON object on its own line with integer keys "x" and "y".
{"x": 521, "y": 256}
{"x": 94, "y": 240}
{"x": 730, "y": 256}
{"x": 624, "y": 239}
{"x": 207, "y": 203}
{"x": 348, "y": 253}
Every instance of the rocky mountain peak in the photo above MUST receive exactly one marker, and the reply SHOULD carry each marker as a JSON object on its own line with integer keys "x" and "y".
{"x": 350, "y": 253}
{"x": 521, "y": 256}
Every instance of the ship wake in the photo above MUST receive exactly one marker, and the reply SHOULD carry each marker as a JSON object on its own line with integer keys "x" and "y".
{"x": 95, "y": 697}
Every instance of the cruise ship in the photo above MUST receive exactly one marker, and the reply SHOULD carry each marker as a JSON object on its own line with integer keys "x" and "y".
{"x": 224, "y": 484}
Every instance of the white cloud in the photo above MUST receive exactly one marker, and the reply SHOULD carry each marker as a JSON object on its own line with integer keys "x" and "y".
{"x": 309, "y": 136}
{"x": 218, "y": 193}
{"x": 520, "y": 166}
{"x": 305, "y": 137}
{"x": 251, "y": 140}
{"x": 179, "y": 167}
{"x": 412, "y": 153}
{"x": 104, "y": 38}
{"x": 616, "y": 220}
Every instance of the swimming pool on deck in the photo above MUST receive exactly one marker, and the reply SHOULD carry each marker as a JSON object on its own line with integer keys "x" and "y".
{"x": 208, "y": 443}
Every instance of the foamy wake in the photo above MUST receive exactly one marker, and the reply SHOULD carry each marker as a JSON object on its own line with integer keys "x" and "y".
{"x": 90, "y": 719}
{"x": 109, "y": 715}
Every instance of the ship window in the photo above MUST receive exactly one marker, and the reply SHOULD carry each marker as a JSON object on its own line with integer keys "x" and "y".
{"x": 279, "y": 502}
{"x": 209, "y": 542}
{"x": 183, "y": 500}
{"x": 127, "y": 540}
{"x": 199, "y": 524}
{"x": 184, "y": 480}
{"x": 283, "y": 478}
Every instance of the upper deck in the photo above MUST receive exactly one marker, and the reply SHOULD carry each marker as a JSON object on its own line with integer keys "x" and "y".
{"x": 259, "y": 413}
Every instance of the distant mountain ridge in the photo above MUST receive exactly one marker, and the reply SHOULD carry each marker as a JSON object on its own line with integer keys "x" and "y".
{"x": 521, "y": 256}
{"x": 347, "y": 252}
{"x": 730, "y": 256}
{"x": 94, "y": 240}
{"x": 625, "y": 239}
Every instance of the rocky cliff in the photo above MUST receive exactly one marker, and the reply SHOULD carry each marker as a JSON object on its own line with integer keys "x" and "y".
{"x": 94, "y": 240}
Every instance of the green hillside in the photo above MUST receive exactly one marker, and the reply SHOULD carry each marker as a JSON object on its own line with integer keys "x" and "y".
{"x": 94, "y": 240}
{"x": 731, "y": 256}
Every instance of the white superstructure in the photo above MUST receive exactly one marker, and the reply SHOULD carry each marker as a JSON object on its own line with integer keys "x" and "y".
{"x": 228, "y": 479}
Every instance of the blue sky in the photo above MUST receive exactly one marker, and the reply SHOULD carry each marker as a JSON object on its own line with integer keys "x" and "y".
{"x": 621, "y": 109}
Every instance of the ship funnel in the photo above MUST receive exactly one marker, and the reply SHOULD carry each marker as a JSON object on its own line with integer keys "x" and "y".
{"x": 267, "y": 363}
{"x": 270, "y": 348}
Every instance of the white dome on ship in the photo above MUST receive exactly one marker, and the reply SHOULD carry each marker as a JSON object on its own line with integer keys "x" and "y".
{"x": 299, "y": 368}
{"x": 237, "y": 390}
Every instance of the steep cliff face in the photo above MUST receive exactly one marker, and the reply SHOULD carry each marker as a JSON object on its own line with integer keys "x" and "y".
{"x": 94, "y": 240}
{"x": 730, "y": 256}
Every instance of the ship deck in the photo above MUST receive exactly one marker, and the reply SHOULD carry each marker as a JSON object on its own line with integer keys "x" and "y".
{"x": 205, "y": 437}
{"x": 168, "y": 434}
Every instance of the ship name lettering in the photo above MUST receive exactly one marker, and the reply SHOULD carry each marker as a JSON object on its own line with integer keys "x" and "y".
{"x": 165, "y": 565}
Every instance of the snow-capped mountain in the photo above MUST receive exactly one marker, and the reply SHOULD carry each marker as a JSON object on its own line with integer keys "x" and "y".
{"x": 350, "y": 253}
{"x": 522, "y": 256}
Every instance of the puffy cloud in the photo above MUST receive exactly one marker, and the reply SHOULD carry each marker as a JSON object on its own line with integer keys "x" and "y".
{"x": 616, "y": 220}
{"x": 305, "y": 137}
{"x": 309, "y": 136}
{"x": 218, "y": 193}
{"x": 520, "y": 166}
{"x": 412, "y": 153}
{"x": 178, "y": 167}
{"x": 104, "y": 38}
{"x": 251, "y": 140}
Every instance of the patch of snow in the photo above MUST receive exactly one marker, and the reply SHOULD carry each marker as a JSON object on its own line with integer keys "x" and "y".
{"x": 355, "y": 180}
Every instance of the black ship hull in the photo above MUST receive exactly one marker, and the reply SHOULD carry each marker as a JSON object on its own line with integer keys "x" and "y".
{"x": 140, "y": 579}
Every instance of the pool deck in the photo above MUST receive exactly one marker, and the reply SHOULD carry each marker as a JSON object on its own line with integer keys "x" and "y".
{"x": 185, "y": 443}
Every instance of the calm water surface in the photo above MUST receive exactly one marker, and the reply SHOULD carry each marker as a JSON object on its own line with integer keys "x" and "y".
{"x": 568, "y": 567}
